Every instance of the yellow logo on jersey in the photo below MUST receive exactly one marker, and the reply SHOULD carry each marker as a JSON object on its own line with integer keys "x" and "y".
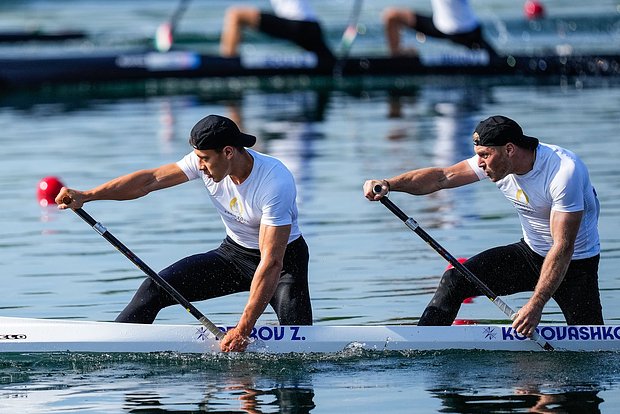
{"x": 236, "y": 207}
{"x": 521, "y": 194}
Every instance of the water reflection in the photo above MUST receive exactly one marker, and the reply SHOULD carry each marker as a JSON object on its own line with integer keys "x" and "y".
{"x": 521, "y": 382}
{"x": 242, "y": 397}
{"x": 530, "y": 401}
{"x": 289, "y": 130}
{"x": 238, "y": 383}
{"x": 157, "y": 382}
{"x": 338, "y": 147}
{"x": 459, "y": 381}
{"x": 454, "y": 113}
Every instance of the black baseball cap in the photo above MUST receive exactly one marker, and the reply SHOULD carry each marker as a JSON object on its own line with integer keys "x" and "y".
{"x": 215, "y": 132}
{"x": 500, "y": 130}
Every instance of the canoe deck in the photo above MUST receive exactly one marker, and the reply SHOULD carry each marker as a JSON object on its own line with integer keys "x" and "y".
{"x": 27, "y": 335}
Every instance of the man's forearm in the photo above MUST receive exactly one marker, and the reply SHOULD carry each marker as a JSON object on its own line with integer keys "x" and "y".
{"x": 127, "y": 187}
{"x": 262, "y": 290}
{"x": 418, "y": 182}
{"x": 552, "y": 273}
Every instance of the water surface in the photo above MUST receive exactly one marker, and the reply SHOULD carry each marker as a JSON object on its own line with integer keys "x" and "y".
{"x": 366, "y": 267}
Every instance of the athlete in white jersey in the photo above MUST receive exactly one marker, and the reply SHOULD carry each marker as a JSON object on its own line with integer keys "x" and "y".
{"x": 293, "y": 10}
{"x": 559, "y": 254}
{"x": 267, "y": 196}
{"x": 292, "y": 20}
{"x": 451, "y": 19}
{"x": 263, "y": 253}
{"x": 558, "y": 181}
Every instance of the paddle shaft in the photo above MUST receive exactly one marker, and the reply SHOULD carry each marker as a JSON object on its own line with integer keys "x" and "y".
{"x": 348, "y": 37}
{"x": 99, "y": 228}
{"x": 350, "y": 33}
{"x": 413, "y": 225}
{"x": 178, "y": 12}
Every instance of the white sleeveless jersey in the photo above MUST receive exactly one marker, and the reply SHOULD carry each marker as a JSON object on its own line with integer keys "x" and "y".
{"x": 453, "y": 16}
{"x": 267, "y": 196}
{"x": 559, "y": 181}
{"x": 293, "y": 10}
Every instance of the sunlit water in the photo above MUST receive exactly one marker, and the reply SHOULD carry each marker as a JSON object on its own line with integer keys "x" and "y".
{"x": 366, "y": 267}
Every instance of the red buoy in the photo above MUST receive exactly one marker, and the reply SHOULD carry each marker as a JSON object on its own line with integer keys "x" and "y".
{"x": 47, "y": 190}
{"x": 533, "y": 10}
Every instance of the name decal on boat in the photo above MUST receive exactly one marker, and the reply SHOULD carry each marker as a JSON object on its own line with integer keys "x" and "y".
{"x": 489, "y": 333}
{"x": 289, "y": 60}
{"x": 12, "y": 336}
{"x": 263, "y": 333}
{"x": 158, "y": 62}
{"x": 568, "y": 333}
{"x": 465, "y": 58}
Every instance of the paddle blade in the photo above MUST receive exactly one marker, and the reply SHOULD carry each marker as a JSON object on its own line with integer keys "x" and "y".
{"x": 349, "y": 36}
{"x": 163, "y": 37}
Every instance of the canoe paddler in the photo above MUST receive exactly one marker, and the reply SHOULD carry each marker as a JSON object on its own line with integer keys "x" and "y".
{"x": 453, "y": 20}
{"x": 264, "y": 251}
{"x": 292, "y": 20}
{"x": 557, "y": 205}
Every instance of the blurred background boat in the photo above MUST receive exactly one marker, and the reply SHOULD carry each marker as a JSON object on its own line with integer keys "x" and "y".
{"x": 557, "y": 46}
{"x": 20, "y": 36}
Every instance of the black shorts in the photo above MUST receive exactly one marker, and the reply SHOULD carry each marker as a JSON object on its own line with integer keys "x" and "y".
{"x": 516, "y": 268}
{"x": 226, "y": 270}
{"x": 472, "y": 39}
{"x": 306, "y": 34}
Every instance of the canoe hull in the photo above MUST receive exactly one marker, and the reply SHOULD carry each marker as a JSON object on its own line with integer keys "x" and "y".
{"x": 32, "y": 72}
{"x": 26, "y": 335}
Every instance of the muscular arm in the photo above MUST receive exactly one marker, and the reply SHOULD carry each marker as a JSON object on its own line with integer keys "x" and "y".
{"x": 272, "y": 243}
{"x": 424, "y": 180}
{"x": 564, "y": 228}
{"x": 126, "y": 187}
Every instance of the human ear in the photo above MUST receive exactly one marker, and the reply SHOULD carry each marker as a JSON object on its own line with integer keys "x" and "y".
{"x": 228, "y": 151}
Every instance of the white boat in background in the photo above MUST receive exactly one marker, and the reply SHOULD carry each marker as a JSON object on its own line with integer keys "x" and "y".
{"x": 27, "y": 335}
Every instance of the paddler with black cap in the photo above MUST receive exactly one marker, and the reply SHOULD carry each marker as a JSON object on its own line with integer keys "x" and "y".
{"x": 557, "y": 205}
{"x": 263, "y": 252}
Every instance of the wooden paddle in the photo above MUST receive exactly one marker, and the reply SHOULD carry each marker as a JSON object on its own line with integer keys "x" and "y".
{"x": 99, "y": 228}
{"x": 413, "y": 225}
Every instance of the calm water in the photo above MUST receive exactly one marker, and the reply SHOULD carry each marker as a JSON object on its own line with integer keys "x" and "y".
{"x": 366, "y": 267}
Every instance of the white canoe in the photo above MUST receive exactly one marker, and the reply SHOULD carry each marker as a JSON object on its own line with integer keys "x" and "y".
{"x": 26, "y": 335}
